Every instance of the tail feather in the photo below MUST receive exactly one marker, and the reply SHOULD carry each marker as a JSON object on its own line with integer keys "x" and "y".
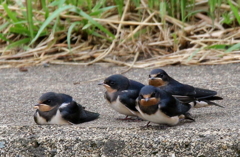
{"x": 213, "y": 103}
{"x": 91, "y": 116}
{"x": 188, "y": 115}
{"x": 205, "y": 103}
{"x": 209, "y": 98}
{"x": 184, "y": 99}
{"x": 200, "y": 92}
{"x": 212, "y": 98}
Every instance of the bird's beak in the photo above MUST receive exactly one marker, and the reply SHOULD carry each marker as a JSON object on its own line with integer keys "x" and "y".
{"x": 105, "y": 85}
{"x": 147, "y": 99}
{"x": 36, "y": 106}
{"x": 151, "y": 78}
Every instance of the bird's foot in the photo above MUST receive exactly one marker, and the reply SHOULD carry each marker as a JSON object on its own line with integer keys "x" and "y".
{"x": 126, "y": 118}
{"x": 189, "y": 116}
{"x": 147, "y": 125}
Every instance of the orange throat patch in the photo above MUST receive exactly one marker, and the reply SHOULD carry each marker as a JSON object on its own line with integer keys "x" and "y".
{"x": 150, "y": 102}
{"x": 157, "y": 82}
{"x": 109, "y": 89}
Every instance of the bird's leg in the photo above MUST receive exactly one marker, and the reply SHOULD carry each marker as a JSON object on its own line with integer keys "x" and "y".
{"x": 126, "y": 118}
{"x": 139, "y": 119}
{"x": 148, "y": 124}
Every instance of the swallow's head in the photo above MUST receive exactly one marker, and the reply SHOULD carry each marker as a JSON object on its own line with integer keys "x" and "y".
{"x": 148, "y": 96}
{"x": 48, "y": 101}
{"x": 158, "y": 78}
{"x": 115, "y": 83}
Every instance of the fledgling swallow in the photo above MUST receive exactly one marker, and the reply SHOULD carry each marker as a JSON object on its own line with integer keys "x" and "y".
{"x": 203, "y": 97}
{"x": 58, "y": 108}
{"x": 121, "y": 93}
{"x": 158, "y": 106}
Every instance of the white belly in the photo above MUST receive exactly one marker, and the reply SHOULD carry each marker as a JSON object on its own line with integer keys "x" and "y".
{"x": 40, "y": 120}
{"x": 159, "y": 117}
{"x": 57, "y": 119}
{"x": 199, "y": 104}
{"x": 119, "y": 107}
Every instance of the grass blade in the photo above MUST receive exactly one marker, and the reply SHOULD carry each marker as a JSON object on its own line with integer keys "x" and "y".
{"x": 232, "y": 48}
{"x": 3, "y": 26}
{"x": 30, "y": 17}
{"x": 136, "y": 2}
{"x": 17, "y": 24}
{"x": 18, "y": 43}
{"x": 193, "y": 13}
{"x": 19, "y": 30}
{"x": 98, "y": 5}
{"x": 88, "y": 25}
{"x": 183, "y": 9}
{"x": 162, "y": 11}
{"x": 90, "y": 19}
{"x": 193, "y": 54}
{"x": 96, "y": 34}
{"x": 45, "y": 8}
{"x": 235, "y": 11}
{"x": 89, "y": 4}
{"x": 219, "y": 46}
{"x": 212, "y": 5}
{"x": 49, "y": 19}
{"x": 99, "y": 11}
{"x": 2, "y": 36}
{"x": 10, "y": 13}
{"x": 70, "y": 32}
{"x": 120, "y": 5}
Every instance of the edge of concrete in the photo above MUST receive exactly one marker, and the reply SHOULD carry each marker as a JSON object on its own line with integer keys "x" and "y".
{"x": 115, "y": 141}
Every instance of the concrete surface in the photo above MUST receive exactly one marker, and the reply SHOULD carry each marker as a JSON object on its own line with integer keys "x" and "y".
{"x": 216, "y": 131}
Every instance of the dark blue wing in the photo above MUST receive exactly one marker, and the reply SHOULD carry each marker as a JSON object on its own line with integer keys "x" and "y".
{"x": 171, "y": 106}
{"x": 128, "y": 98}
{"x": 176, "y": 88}
{"x": 204, "y": 93}
{"x": 76, "y": 114}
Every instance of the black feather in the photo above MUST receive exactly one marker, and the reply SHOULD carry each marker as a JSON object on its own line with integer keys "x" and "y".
{"x": 128, "y": 98}
{"x": 167, "y": 104}
{"x": 76, "y": 114}
{"x": 65, "y": 98}
{"x": 174, "y": 87}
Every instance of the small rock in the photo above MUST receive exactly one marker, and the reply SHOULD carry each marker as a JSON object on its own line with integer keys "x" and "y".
{"x": 2, "y": 144}
{"x": 23, "y": 69}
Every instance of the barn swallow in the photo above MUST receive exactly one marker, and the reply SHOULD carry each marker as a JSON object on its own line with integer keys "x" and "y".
{"x": 158, "y": 106}
{"x": 203, "y": 97}
{"x": 121, "y": 93}
{"x": 58, "y": 108}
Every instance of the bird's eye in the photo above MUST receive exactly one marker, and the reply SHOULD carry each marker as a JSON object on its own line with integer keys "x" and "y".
{"x": 160, "y": 75}
{"x": 48, "y": 101}
{"x": 112, "y": 83}
{"x": 149, "y": 76}
{"x": 153, "y": 95}
{"x": 141, "y": 96}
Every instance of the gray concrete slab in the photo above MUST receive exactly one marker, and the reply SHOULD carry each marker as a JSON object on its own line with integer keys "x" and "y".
{"x": 215, "y": 132}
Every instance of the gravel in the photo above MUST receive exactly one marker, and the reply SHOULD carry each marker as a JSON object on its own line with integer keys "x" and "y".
{"x": 216, "y": 131}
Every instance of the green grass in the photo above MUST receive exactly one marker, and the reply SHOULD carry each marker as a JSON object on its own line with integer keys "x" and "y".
{"x": 34, "y": 21}
{"x": 30, "y": 27}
